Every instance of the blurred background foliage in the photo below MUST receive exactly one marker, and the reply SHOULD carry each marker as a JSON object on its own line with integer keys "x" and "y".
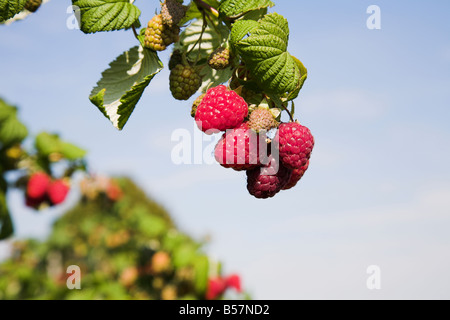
{"x": 125, "y": 249}
{"x": 125, "y": 244}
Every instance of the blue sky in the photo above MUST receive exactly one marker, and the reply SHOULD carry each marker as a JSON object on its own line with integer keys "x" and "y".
{"x": 378, "y": 188}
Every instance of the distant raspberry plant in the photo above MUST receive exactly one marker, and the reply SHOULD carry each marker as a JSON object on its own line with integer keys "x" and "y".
{"x": 232, "y": 56}
{"x": 43, "y": 171}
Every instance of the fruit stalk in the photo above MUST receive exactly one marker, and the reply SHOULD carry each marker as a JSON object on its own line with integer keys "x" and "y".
{"x": 203, "y": 5}
{"x": 134, "y": 31}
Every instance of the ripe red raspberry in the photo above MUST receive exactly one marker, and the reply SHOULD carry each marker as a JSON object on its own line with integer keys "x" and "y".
{"x": 220, "y": 109}
{"x": 113, "y": 191}
{"x": 295, "y": 143}
{"x": 297, "y": 174}
{"x": 267, "y": 181}
{"x": 234, "y": 281}
{"x": 57, "y": 191}
{"x": 216, "y": 287}
{"x": 37, "y": 186}
{"x": 238, "y": 148}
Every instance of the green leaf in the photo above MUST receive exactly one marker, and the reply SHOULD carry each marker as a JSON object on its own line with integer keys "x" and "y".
{"x": 141, "y": 37}
{"x": 184, "y": 255}
{"x": 241, "y": 28}
{"x": 212, "y": 78}
{"x": 9, "y": 9}
{"x": 47, "y": 143}
{"x": 213, "y": 37}
{"x": 194, "y": 13}
{"x": 71, "y": 152}
{"x": 106, "y": 15}
{"x": 12, "y": 131}
{"x": 264, "y": 52}
{"x": 6, "y": 225}
{"x": 304, "y": 76}
{"x": 237, "y": 8}
{"x": 150, "y": 225}
{"x": 201, "y": 269}
{"x": 173, "y": 239}
{"x": 6, "y": 110}
{"x": 255, "y": 15}
{"x": 123, "y": 84}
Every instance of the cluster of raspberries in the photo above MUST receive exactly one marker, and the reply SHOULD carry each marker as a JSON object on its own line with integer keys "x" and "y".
{"x": 271, "y": 166}
{"x": 42, "y": 190}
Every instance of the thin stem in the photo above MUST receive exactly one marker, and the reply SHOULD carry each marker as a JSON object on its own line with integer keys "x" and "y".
{"x": 207, "y": 7}
{"x": 215, "y": 27}
{"x": 134, "y": 31}
{"x": 289, "y": 113}
{"x": 205, "y": 24}
{"x": 285, "y": 109}
{"x": 199, "y": 40}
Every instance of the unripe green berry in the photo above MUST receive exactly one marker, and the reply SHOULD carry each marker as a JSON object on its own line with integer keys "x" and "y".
{"x": 261, "y": 119}
{"x": 196, "y": 104}
{"x": 158, "y": 36}
{"x": 175, "y": 59}
{"x": 184, "y": 82}
{"x": 220, "y": 59}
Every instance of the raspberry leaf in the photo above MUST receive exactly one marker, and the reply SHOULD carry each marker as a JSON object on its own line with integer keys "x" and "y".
{"x": 47, "y": 143}
{"x": 6, "y": 110}
{"x": 184, "y": 255}
{"x": 212, "y": 78}
{"x": 194, "y": 13}
{"x": 255, "y": 14}
{"x": 263, "y": 47}
{"x": 304, "y": 75}
{"x": 11, "y": 129}
{"x": 201, "y": 270}
{"x": 241, "y": 28}
{"x": 237, "y": 8}
{"x": 123, "y": 84}
{"x": 9, "y": 9}
{"x": 6, "y": 225}
{"x": 106, "y": 15}
{"x": 211, "y": 39}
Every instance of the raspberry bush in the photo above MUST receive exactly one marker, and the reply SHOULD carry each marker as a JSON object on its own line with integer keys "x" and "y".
{"x": 127, "y": 247}
{"x": 230, "y": 56}
{"x": 43, "y": 172}
{"x": 125, "y": 244}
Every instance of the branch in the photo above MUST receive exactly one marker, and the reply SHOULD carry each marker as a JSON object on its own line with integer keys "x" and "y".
{"x": 135, "y": 32}
{"x": 289, "y": 113}
{"x": 203, "y": 5}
